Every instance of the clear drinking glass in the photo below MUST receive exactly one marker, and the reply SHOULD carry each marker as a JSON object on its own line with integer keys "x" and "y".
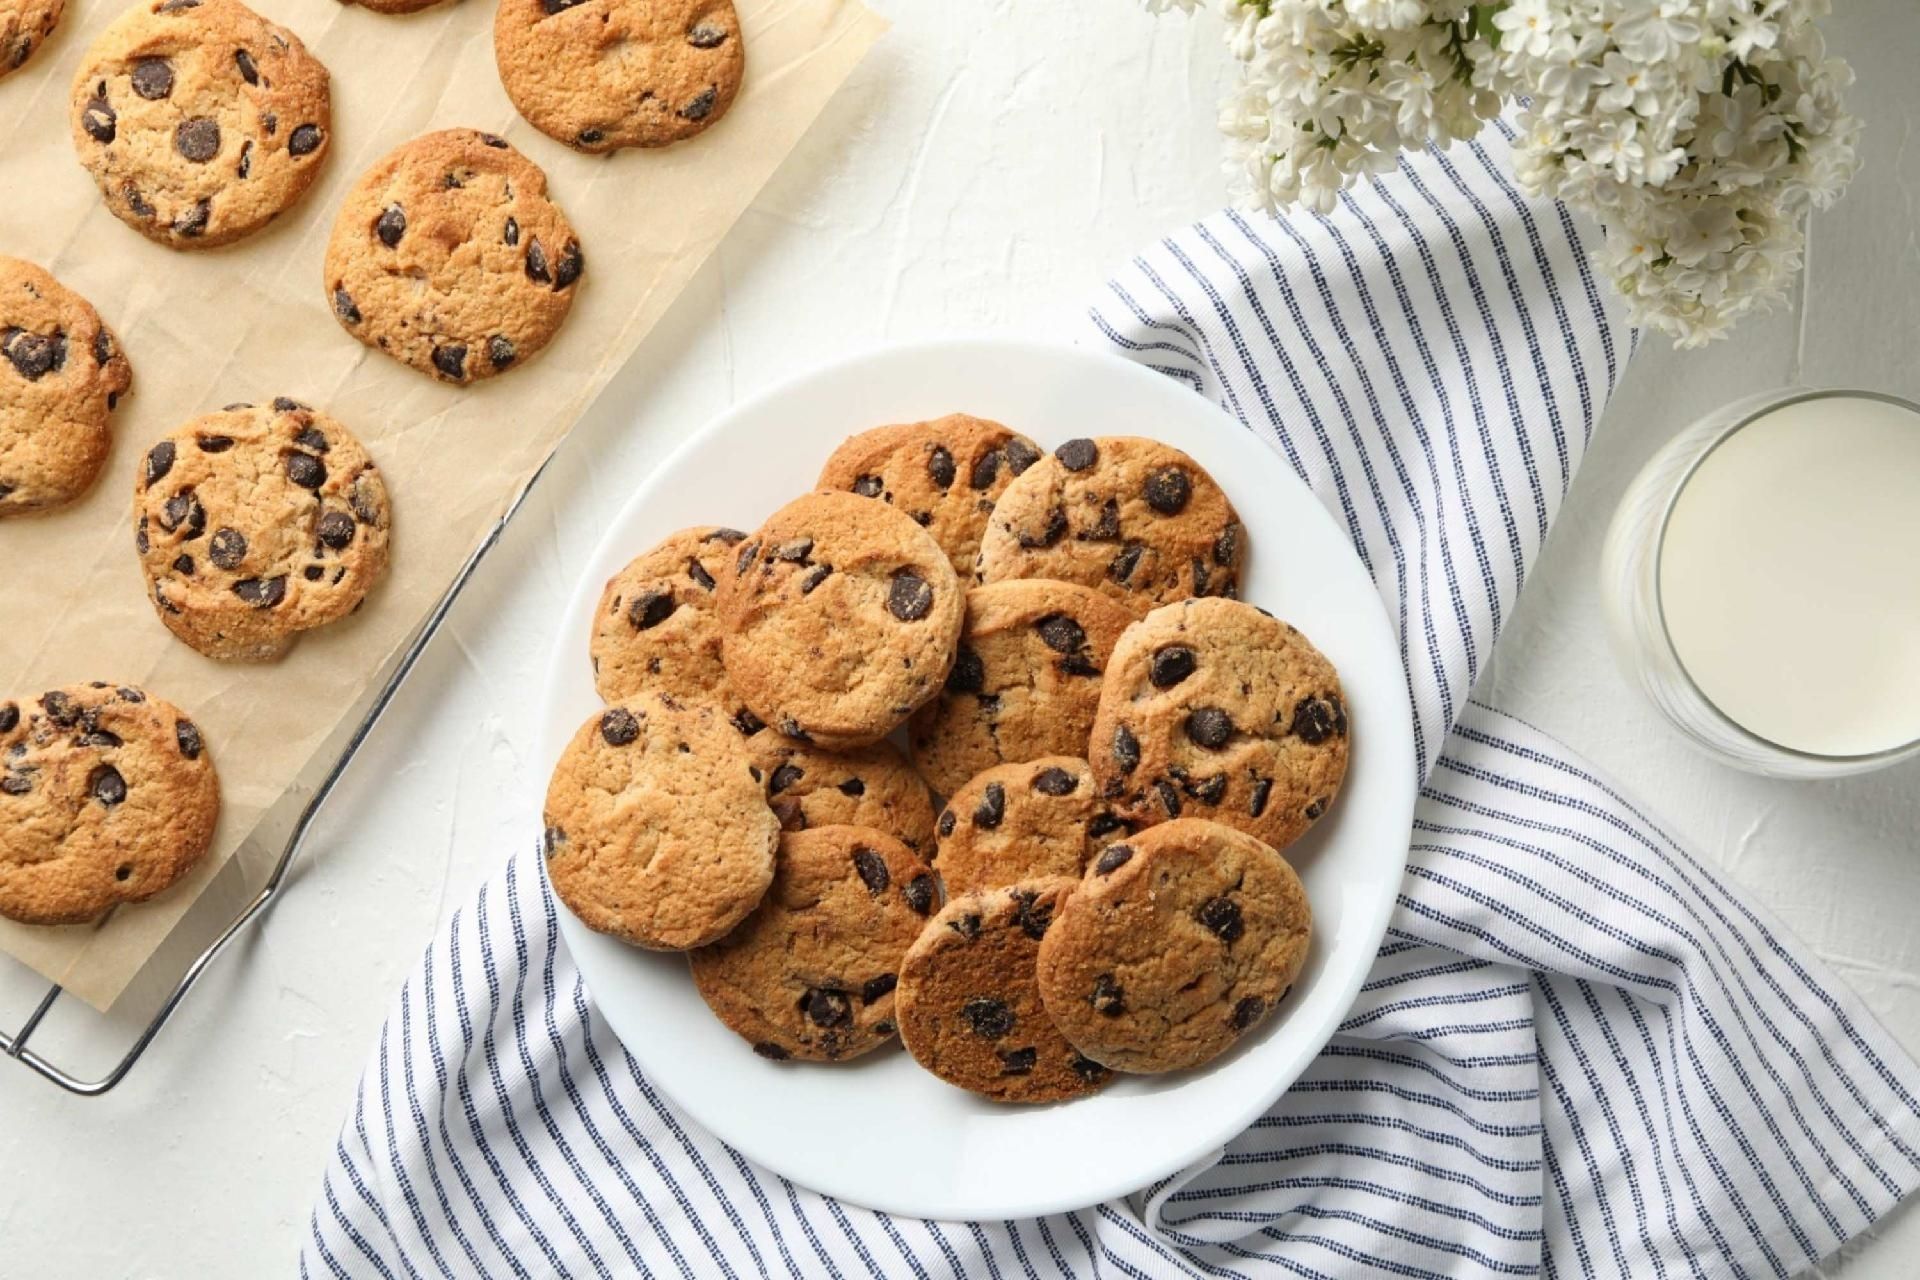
{"x": 1630, "y": 579}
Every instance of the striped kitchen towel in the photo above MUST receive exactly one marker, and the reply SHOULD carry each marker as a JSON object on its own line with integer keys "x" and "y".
{"x": 1581, "y": 1052}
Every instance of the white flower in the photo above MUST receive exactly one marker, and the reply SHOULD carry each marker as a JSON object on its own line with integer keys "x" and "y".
{"x": 1526, "y": 28}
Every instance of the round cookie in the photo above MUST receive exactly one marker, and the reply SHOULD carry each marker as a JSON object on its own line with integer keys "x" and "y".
{"x": 1021, "y": 821}
{"x": 946, "y": 474}
{"x": 1134, "y": 518}
{"x": 656, "y": 831}
{"x": 107, "y": 795}
{"x": 1176, "y": 944}
{"x": 603, "y": 74}
{"x": 24, "y": 27}
{"x": 61, "y": 373}
{"x": 200, "y": 120}
{"x": 449, "y": 256}
{"x": 656, "y": 629}
{"x": 256, "y": 523}
{"x": 840, "y": 617}
{"x": 1216, "y": 709}
{"x": 1025, "y": 682}
{"x": 811, "y": 973}
{"x": 870, "y": 786}
{"x": 969, "y": 1007}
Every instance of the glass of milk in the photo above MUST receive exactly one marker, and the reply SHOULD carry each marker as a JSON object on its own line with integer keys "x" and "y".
{"x": 1762, "y": 582}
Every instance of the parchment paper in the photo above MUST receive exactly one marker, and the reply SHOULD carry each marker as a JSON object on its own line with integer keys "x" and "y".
{"x": 250, "y": 322}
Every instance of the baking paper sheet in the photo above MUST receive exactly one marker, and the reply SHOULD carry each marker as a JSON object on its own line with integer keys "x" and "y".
{"x": 250, "y": 322}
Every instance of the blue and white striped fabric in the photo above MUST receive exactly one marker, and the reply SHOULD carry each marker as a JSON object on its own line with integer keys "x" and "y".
{"x": 1580, "y": 1052}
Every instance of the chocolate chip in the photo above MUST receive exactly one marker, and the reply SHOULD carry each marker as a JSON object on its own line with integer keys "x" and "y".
{"x": 451, "y": 360}
{"x": 814, "y": 577}
{"x": 344, "y": 307}
{"x": 198, "y": 138}
{"x": 305, "y": 470}
{"x": 793, "y": 551}
{"x": 783, "y": 777}
{"x": 730, "y": 537}
{"x": 967, "y": 925}
{"x": 1257, "y": 805}
{"x": 1087, "y": 1069}
{"x": 874, "y": 988}
{"x": 985, "y": 468}
{"x": 1317, "y": 719}
{"x": 303, "y": 141}
{"x": 227, "y": 548}
{"x": 9, "y": 717}
{"x": 98, "y": 119}
{"x": 1105, "y": 824}
{"x": 34, "y": 355}
{"x": 98, "y": 738}
{"x": 1108, "y": 996}
{"x": 1018, "y": 1062}
{"x": 747, "y": 722}
{"x": 918, "y": 893}
{"x": 183, "y": 509}
{"x": 1248, "y": 1012}
{"x": 500, "y": 351}
{"x": 262, "y": 593}
{"x": 619, "y": 727}
{"x": 270, "y": 122}
{"x": 313, "y": 573}
{"x": 248, "y": 72}
{"x": 187, "y": 735}
{"x": 336, "y": 529}
{"x": 989, "y": 1018}
{"x": 791, "y": 728}
{"x": 1107, "y": 529}
{"x": 551, "y": 840}
{"x": 1208, "y": 790}
{"x": 60, "y": 708}
{"x": 787, "y": 809}
{"x": 650, "y": 609}
{"x": 106, "y": 785}
{"x": 588, "y": 137}
{"x": 1120, "y": 568}
{"x": 193, "y": 222}
{"x": 940, "y": 467}
{"x": 1167, "y": 490}
{"x": 140, "y": 541}
{"x": 1126, "y": 748}
{"x": 1169, "y": 798}
{"x": 947, "y": 820}
{"x": 1200, "y": 576}
{"x": 153, "y": 78}
{"x": 1171, "y": 664}
{"x": 1115, "y": 857}
{"x": 16, "y": 783}
{"x": 1226, "y": 547}
{"x": 992, "y": 807}
{"x": 969, "y": 674}
{"x": 868, "y": 486}
{"x": 1055, "y": 530}
{"x": 537, "y": 263}
{"x": 765, "y": 1048}
{"x": 704, "y": 35}
{"x": 512, "y": 233}
{"x": 828, "y": 1008}
{"x": 493, "y": 140}
{"x": 700, "y": 106}
{"x": 873, "y": 870}
{"x": 1316, "y": 808}
{"x": 909, "y": 598}
{"x": 1209, "y": 727}
{"x": 361, "y": 499}
{"x": 1221, "y": 916}
{"x": 571, "y": 264}
{"x": 1078, "y": 454}
{"x": 1061, "y": 633}
{"x": 102, "y": 347}
{"x": 1032, "y": 915}
{"x": 1055, "y": 782}
{"x": 1020, "y": 455}
{"x": 746, "y": 558}
{"x": 213, "y": 444}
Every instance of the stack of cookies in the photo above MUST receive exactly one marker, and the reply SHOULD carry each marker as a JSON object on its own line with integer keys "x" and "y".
{"x": 1073, "y": 867}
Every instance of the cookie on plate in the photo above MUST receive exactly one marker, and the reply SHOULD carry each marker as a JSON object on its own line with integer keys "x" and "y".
{"x": 107, "y": 795}
{"x": 24, "y": 27}
{"x": 1021, "y": 821}
{"x": 1025, "y": 682}
{"x": 1216, "y": 709}
{"x": 656, "y": 831}
{"x": 810, "y": 974}
{"x": 61, "y": 373}
{"x": 256, "y": 523}
{"x": 603, "y": 74}
{"x": 200, "y": 120}
{"x": 1177, "y": 943}
{"x": 449, "y": 256}
{"x": 969, "y": 1007}
{"x": 871, "y": 786}
{"x": 1134, "y": 518}
{"x": 656, "y": 630}
{"x": 840, "y": 617}
{"x": 946, "y": 474}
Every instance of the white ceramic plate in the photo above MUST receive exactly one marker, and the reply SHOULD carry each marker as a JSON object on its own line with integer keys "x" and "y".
{"x": 878, "y": 1131}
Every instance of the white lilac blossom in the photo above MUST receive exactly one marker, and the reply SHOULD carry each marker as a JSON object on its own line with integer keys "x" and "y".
{"x": 1696, "y": 132}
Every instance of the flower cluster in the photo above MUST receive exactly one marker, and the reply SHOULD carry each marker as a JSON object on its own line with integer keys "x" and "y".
{"x": 1697, "y": 132}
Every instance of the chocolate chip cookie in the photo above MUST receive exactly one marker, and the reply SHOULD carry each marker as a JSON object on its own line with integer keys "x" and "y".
{"x": 1177, "y": 943}
{"x": 1021, "y": 821}
{"x": 1134, "y": 518}
{"x": 107, "y": 795}
{"x": 256, "y": 523}
{"x": 968, "y": 1005}
{"x": 946, "y": 474}
{"x": 200, "y": 120}
{"x": 656, "y": 831}
{"x": 840, "y": 617}
{"x": 62, "y": 373}
{"x": 603, "y": 74}
{"x": 657, "y": 630}
{"x": 871, "y": 786}
{"x": 1025, "y": 682}
{"x": 24, "y": 27}
{"x": 1215, "y": 709}
{"x": 811, "y": 973}
{"x": 449, "y": 256}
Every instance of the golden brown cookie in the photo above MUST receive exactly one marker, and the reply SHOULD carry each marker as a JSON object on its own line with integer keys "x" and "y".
{"x": 603, "y": 74}
{"x": 656, "y": 831}
{"x": 61, "y": 373}
{"x": 946, "y": 474}
{"x": 1134, "y": 518}
{"x": 1177, "y": 943}
{"x": 1216, "y": 709}
{"x": 840, "y": 617}
{"x": 1025, "y": 682}
{"x": 657, "y": 629}
{"x": 970, "y": 1010}
{"x": 24, "y": 27}
{"x": 200, "y": 120}
{"x": 449, "y": 256}
{"x": 871, "y": 786}
{"x": 107, "y": 795}
{"x": 256, "y": 523}
{"x": 1023, "y": 821}
{"x": 811, "y": 973}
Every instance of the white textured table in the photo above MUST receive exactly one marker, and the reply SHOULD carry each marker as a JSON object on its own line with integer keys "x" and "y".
{"x": 981, "y": 172}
